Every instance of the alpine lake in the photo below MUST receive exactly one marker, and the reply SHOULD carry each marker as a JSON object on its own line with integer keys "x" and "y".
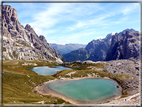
{"x": 79, "y": 91}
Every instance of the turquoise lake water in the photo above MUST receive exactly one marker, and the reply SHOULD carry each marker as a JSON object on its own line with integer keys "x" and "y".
{"x": 45, "y": 70}
{"x": 89, "y": 90}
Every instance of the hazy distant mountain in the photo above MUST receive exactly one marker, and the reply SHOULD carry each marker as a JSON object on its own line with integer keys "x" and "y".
{"x": 80, "y": 54}
{"x": 64, "y": 49}
{"x": 96, "y": 50}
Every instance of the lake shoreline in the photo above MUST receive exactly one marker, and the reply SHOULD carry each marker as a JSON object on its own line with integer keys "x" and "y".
{"x": 49, "y": 91}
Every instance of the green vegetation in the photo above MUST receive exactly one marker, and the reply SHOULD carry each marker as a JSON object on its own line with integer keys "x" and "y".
{"x": 15, "y": 55}
{"x": 4, "y": 49}
{"x": 17, "y": 67}
{"x": 19, "y": 84}
{"x": 85, "y": 66}
{"x": 22, "y": 43}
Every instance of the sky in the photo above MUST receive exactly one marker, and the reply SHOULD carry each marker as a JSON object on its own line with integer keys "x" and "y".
{"x": 64, "y": 23}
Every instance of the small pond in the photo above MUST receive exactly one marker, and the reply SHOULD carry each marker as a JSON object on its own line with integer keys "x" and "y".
{"x": 45, "y": 70}
{"x": 85, "y": 90}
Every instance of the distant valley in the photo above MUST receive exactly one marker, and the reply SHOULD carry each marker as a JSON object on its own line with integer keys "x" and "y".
{"x": 67, "y": 48}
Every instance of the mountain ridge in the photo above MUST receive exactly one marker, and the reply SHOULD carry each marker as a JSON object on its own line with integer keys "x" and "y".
{"x": 22, "y": 43}
{"x": 63, "y": 49}
{"x": 101, "y": 49}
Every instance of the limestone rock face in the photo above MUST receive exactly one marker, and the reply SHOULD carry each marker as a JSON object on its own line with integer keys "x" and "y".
{"x": 124, "y": 45}
{"x": 22, "y": 43}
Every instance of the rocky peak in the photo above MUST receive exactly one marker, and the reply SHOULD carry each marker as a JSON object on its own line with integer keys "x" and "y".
{"x": 9, "y": 13}
{"x": 125, "y": 31}
{"x": 42, "y": 38}
{"x": 109, "y": 36}
{"x": 21, "y": 43}
{"x": 130, "y": 30}
{"x": 124, "y": 46}
{"x": 29, "y": 28}
{"x": 11, "y": 25}
{"x": 44, "y": 41}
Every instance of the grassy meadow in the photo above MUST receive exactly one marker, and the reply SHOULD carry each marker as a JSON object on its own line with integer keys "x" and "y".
{"x": 19, "y": 82}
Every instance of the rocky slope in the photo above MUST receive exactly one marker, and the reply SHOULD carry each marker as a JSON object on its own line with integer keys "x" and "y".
{"x": 22, "y": 43}
{"x": 67, "y": 48}
{"x": 124, "y": 45}
{"x": 96, "y": 50}
{"x": 126, "y": 67}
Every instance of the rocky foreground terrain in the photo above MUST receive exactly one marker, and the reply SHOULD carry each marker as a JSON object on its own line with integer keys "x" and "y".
{"x": 132, "y": 85}
{"x": 128, "y": 67}
{"x": 125, "y": 72}
{"x": 22, "y": 43}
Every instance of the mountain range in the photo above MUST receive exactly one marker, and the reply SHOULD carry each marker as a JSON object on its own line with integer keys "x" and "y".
{"x": 122, "y": 45}
{"x": 67, "y": 48}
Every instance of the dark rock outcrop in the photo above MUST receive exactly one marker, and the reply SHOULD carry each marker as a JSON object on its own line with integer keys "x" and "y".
{"x": 124, "y": 45}
{"x": 21, "y": 43}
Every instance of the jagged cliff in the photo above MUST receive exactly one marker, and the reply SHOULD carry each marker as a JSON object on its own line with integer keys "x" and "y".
{"x": 124, "y": 45}
{"x": 22, "y": 43}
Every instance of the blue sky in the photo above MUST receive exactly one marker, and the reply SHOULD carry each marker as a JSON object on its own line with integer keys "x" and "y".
{"x": 63, "y": 23}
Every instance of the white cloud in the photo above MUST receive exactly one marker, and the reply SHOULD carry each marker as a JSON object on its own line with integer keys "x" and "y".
{"x": 38, "y": 31}
{"x": 70, "y": 22}
{"x": 49, "y": 17}
{"x": 78, "y": 25}
{"x": 130, "y": 8}
{"x": 99, "y": 37}
{"x": 47, "y": 32}
{"x": 62, "y": 41}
